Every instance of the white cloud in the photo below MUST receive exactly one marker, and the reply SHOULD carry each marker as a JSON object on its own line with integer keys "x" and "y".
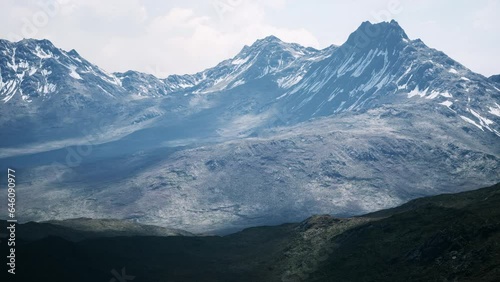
{"x": 188, "y": 42}
{"x": 186, "y": 36}
{"x": 120, "y": 35}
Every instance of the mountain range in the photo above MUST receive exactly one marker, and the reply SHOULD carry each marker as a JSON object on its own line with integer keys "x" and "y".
{"x": 275, "y": 134}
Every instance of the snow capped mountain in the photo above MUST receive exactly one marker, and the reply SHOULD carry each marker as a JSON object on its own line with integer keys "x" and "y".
{"x": 40, "y": 82}
{"x": 32, "y": 69}
{"x": 48, "y": 95}
{"x": 38, "y": 68}
{"x": 380, "y": 64}
{"x": 268, "y": 58}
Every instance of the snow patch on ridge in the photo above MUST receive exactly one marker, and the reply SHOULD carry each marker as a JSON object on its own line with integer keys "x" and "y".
{"x": 73, "y": 72}
{"x": 417, "y": 92}
{"x": 446, "y": 103}
{"x": 472, "y": 122}
{"x": 495, "y": 111}
{"x": 240, "y": 61}
{"x": 40, "y": 53}
{"x": 484, "y": 121}
{"x": 289, "y": 81}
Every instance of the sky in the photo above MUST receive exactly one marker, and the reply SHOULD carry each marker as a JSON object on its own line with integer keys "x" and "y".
{"x": 187, "y": 36}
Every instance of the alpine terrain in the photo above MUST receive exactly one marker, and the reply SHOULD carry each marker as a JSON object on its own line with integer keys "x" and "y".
{"x": 275, "y": 134}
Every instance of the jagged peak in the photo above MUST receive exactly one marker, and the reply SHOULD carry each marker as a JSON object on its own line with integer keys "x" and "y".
{"x": 263, "y": 41}
{"x": 384, "y": 32}
{"x": 269, "y": 39}
{"x": 73, "y": 52}
{"x": 273, "y": 43}
{"x": 42, "y": 42}
{"x": 386, "y": 26}
{"x": 28, "y": 42}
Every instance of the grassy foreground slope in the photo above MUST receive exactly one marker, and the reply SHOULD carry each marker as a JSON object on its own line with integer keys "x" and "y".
{"x": 454, "y": 237}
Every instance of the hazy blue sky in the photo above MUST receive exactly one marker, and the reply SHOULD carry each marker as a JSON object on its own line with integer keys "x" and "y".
{"x": 166, "y": 37}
